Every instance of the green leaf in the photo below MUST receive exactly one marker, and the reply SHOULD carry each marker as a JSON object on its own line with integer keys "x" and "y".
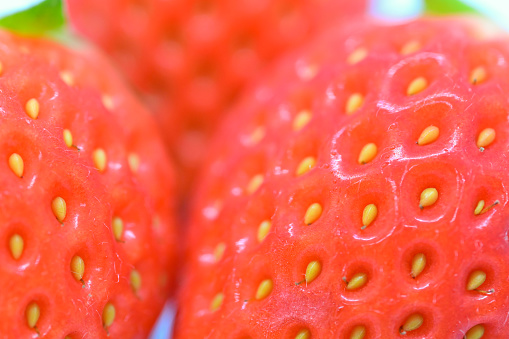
{"x": 445, "y": 7}
{"x": 45, "y": 18}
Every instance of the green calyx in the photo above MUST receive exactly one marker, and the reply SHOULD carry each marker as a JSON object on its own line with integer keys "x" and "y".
{"x": 447, "y": 7}
{"x": 45, "y": 18}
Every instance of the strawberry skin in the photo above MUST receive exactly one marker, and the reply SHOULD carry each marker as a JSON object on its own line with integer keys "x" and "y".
{"x": 189, "y": 58}
{"x": 88, "y": 228}
{"x": 358, "y": 190}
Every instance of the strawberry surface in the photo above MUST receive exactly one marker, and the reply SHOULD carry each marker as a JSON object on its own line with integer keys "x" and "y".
{"x": 190, "y": 57}
{"x": 358, "y": 190}
{"x": 88, "y": 227}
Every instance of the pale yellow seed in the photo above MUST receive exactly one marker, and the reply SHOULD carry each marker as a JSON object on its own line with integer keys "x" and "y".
{"x": 254, "y": 183}
{"x": 357, "y": 56}
{"x": 367, "y": 154}
{"x": 16, "y": 245}
{"x": 77, "y": 267}
{"x": 135, "y": 280}
{"x": 301, "y": 120}
{"x": 358, "y": 332}
{"x": 68, "y": 138}
{"x": 118, "y": 228}
{"x": 108, "y": 102}
{"x": 263, "y": 230}
{"x": 418, "y": 264}
{"x": 479, "y": 207}
{"x": 257, "y": 135}
{"x": 429, "y": 135}
{"x": 485, "y": 138}
{"x": 410, "y": 47}
{"x": 475, "y": 332}
{"x": 264, "y": 289}
{"x": 354, "y": 102}
{"x": 134, "y": 162}
{"x": 478, "y": 75}
{"x": 100, "y": 159}
{"x": 369, "y": 215}
{"x": 219, "y": 251}
{"x": 475, "y": 280}
{"x": 303, "y": 334}
{"x": 413, "y": 322}
{"x": 417, "y": 85}
{"x": 313, "y": 270}
{"x": 428, "y": 197}
{"x": 305, "y": 166}
{"x": 1, "y": 68}
{"x": 32, "y": 108}
{"x": 217, "y": 302}
{"x": 108, "y": 315}
{"x": 32, "y": 314}
{"x": 67, "y": 77}
{"x": 357, "y": 281}
{"x": 16, "y": 164}
{"x": 313, "y": 212}
{"x": 59, "y": 208}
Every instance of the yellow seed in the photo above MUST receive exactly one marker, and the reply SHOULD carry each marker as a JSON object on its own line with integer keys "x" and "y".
{"x": 368, "y": 215}
{"x": 428, "y": 197}
{"x": 417, "y": 85}
{"x": 368, "y": 153}
{"x": 429, "y": 135}
{"x": 475, "y": 332}
{"x": 257, "y": 135}
{"x": 358, "y": 332}
{"x": 32, "y": 314}
{"x": 254, "y": 183}
{"x": 479, "y": 207}
{"x": 410, "y": 47}
{"x": 357, "y": 56}
{"x": 263, "y": 230}
{"x": 353, "y": 103}
{"x": 32, "y": 108}
{"x": 1, "y": 68}
{"x": 135, "y": 280}
{"x": 413, "y": 322}
{"x": 264, "y": 289}
{"x": 475, "y": 280}
{"x": 418, "y": 264}
{"x": 68, "y": 138}
{"x": 108, "y": 315}
{"x": 67, "y": 77}
{"x": 313, "y": 212}
{"x": 301, "y": 120}
{"x": 313, "y": 270}
{"x": 485, "y": 138}
{"x": 305, "y": 166}
{"x": 134, "y": 162}
{"x": 108, "y": 102}
{"x": 118, "y": 228}
{"x": 77, "y": 267}
{"x": 100, "y": 159}
{"x": 59, "y": 208}
{"x": 219, "y": 251}
{"x": 303, "y": 334}
{"x": 478, "y": 75}
{"x": 357, "y": 281}
{"x": 16, "y": 164}
{"x": 217, "y": 302}
{"x": 16, "y": 245}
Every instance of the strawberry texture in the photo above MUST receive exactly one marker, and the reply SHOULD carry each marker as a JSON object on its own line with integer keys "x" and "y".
{"x": 366, "y": 192}
{"x": 190, "y": 58}
{"x": 87, "y": 193}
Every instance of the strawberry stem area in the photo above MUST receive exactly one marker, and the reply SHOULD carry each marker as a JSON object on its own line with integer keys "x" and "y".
{"x": 44, "y": 18}
{"x": 446, "y": 7}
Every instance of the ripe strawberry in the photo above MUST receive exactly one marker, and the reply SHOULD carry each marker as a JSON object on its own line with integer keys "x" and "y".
{"x": 190, "y": 57}
{"x": 86, "y": 198}
{"x": 358, "y": 190}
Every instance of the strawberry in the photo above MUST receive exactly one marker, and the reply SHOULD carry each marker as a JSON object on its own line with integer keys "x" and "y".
{"x": 189, "y": 58}
{"x": 88, "y": 229}
{"x": 358, "y": 190}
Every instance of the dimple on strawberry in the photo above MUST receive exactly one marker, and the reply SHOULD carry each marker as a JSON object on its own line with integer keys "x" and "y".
{"x": 366, "y": 194}
{"x": 86, "y": 213}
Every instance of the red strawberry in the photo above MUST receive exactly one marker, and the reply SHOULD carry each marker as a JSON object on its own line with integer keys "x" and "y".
{"x": 190, "y": 57}
{"x": 86, "y": 198}
{"x": 359, "y": 191}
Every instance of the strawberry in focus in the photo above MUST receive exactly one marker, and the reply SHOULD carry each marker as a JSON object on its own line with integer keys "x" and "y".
{"x": 87, "y": 194}
{"x": 189, "y": 59}
{"x": 358, "y": 190}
